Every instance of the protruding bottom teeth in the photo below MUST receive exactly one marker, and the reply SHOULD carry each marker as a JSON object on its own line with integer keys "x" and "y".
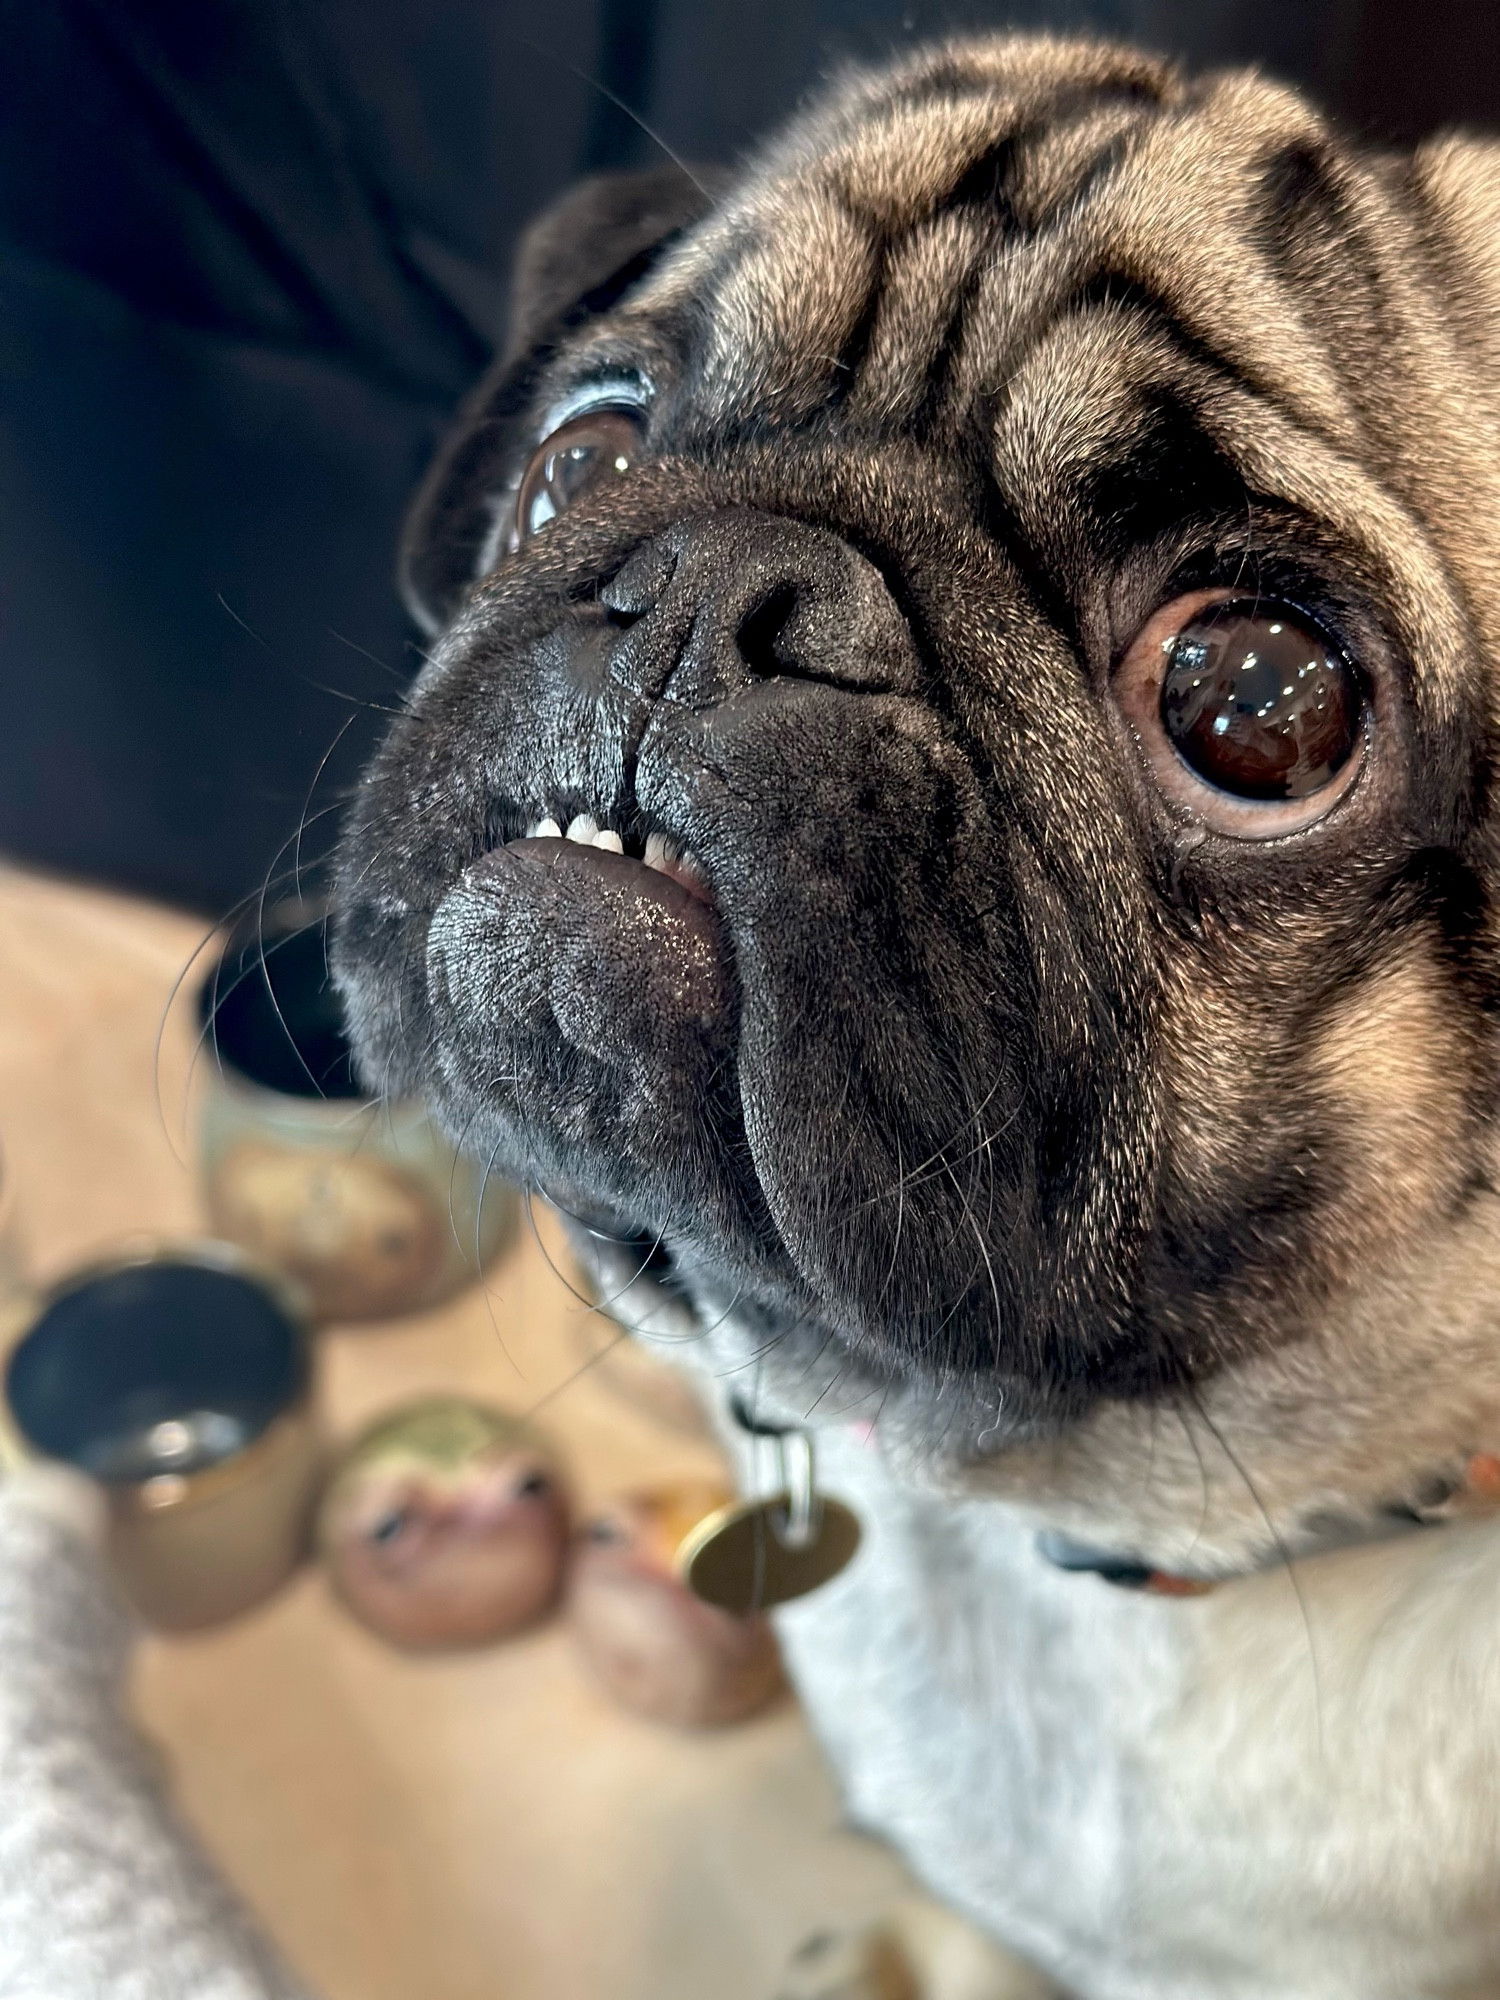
{"x": 662, "y": 853}
{"x": 668, "y": 858}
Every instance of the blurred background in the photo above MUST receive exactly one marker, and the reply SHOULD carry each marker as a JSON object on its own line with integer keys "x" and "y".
{"x": 252, "y": 252}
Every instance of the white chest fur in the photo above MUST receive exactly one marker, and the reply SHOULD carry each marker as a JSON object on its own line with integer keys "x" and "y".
{"x": 1289, "y": 1789}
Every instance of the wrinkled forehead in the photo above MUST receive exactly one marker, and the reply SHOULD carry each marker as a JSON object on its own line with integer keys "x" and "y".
{"x": 938, "y": 225}
{"x": 1038, "y": 249}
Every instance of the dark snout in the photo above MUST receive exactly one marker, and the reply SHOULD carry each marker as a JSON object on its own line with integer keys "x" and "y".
{"x": 735, "y": 595}
{"x": 682, "y": 894}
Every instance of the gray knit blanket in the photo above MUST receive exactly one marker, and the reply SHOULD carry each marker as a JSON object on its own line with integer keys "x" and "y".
{"x": 104, "y": 1893}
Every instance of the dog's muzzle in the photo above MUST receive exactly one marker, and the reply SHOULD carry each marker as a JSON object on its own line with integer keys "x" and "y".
{"x": 600, "y": 921}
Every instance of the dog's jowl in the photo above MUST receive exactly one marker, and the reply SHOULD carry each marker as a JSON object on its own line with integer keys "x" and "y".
{"x": 950, "y": 824}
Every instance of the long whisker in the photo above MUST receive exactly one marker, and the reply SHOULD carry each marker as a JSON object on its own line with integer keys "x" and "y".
{"x": 274, "y": 878}
{"x": 321, "y": 687}
{"x": 562, "y": 1278}
{"x": 364, "y": 653}
{"x": 612, "y": 97}
{"x": 1287, "y": 1561}
{"x": 307, "y": 817}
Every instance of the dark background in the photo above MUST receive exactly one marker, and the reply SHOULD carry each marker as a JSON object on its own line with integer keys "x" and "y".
{"x": 251, "y": 254}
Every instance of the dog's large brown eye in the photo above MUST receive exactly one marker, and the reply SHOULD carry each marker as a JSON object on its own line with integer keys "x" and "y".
{"x": 1259, "y": 702}
{"x": 597, "y": 445}
{"x": 1249, "y": 714}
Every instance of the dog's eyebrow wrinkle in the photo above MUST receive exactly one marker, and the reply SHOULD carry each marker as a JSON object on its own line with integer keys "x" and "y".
{"x": 1035, "y": 288}
{"x": 793, "y": 294}
{"x": 902, "y": 216}
{"x": 899, "y": 168}
{"x": 1061, "y": 166}
{"x": 1125, "y": 323}
{"x": 1007, "y": 157}
{"x": 1193, "y": 171}
{"x": 1157, "y": 319}
{"x": 854, "y": 353}
{"x": 839, "y": 261}
{"x": 927, "y": 278}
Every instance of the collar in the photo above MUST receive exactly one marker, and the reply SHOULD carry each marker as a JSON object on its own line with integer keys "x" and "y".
{"x": 1473, "y": 1492}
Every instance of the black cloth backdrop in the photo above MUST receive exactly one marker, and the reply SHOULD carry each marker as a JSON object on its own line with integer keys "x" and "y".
{"x": 251, "y": 254}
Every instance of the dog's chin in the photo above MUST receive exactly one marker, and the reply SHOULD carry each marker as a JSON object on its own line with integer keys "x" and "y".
{"x": 588, "y": 1001}
{"x": 583, "y": 1015}
{"x": 577, "y": 1019}
{"x": 622, "y": 968}
{"x": 605, "y": 1074}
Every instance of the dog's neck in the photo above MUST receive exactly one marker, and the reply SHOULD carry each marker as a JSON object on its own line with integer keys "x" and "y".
{"x": 1381, "y": 1423}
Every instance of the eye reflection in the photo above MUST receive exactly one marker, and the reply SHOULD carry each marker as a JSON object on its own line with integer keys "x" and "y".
{"x": 1259, "y": 704}
{"x": 595, "y": 446}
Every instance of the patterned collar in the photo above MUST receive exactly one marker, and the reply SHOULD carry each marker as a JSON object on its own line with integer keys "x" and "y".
{"x": 1473, "y": 1491}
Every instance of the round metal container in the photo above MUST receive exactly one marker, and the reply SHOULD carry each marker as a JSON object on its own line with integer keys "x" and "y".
{"x": 362, "y": 1201}
{"x": 15, "y": 1285}
{"x": 16, "y": 1298}
{"x": 179, "y": 1377}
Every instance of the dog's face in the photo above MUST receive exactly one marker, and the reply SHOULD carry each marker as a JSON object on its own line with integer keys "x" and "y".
{"x": 1014, "y": 574}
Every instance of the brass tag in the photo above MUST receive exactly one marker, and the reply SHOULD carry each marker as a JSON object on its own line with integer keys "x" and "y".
{"x": 749, "y": 1556}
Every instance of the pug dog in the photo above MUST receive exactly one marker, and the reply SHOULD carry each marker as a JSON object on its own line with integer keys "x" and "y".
{"x": 950, "y": 825}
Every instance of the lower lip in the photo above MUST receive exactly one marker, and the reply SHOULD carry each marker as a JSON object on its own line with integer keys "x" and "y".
{"x": 627, "y": 964}
{"x": 683, "y": 873}
{"x": 674, "y": 887}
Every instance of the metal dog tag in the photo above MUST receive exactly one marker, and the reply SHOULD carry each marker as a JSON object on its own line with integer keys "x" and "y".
{"x": 755, "y": 1554}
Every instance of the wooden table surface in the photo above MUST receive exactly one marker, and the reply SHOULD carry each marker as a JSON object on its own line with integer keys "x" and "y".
{"x": 480, "y": 1827}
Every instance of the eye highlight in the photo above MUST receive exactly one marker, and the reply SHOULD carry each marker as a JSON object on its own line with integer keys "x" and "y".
{"x": 1249, "y": 713}
{"x": 1257, "y": 703}
{"x": 589, "y": 448}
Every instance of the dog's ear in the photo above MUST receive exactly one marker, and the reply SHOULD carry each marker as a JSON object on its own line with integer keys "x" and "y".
{"x": 577, "y": 260}
{"x": 588, "y": 249}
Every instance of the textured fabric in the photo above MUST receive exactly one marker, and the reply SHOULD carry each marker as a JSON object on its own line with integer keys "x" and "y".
{"x": 104, "y": 1895}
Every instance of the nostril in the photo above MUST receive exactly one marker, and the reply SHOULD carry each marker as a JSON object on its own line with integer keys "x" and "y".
{"x": 760, "y": 637}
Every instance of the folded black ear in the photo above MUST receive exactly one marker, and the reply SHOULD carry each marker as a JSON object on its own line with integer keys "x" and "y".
{"x": 576, "y": 260}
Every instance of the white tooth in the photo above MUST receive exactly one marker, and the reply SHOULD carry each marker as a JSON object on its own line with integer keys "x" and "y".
{"x": 583, "y": 829}
{"x": 658, "y": 853}
{"x": 532, "y": 830}
{"x": 611, "y": 841}
{"x": 546, "y": 829}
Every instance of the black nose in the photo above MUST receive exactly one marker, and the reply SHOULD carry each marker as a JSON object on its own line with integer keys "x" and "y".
{"x": 726, "y": 598}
